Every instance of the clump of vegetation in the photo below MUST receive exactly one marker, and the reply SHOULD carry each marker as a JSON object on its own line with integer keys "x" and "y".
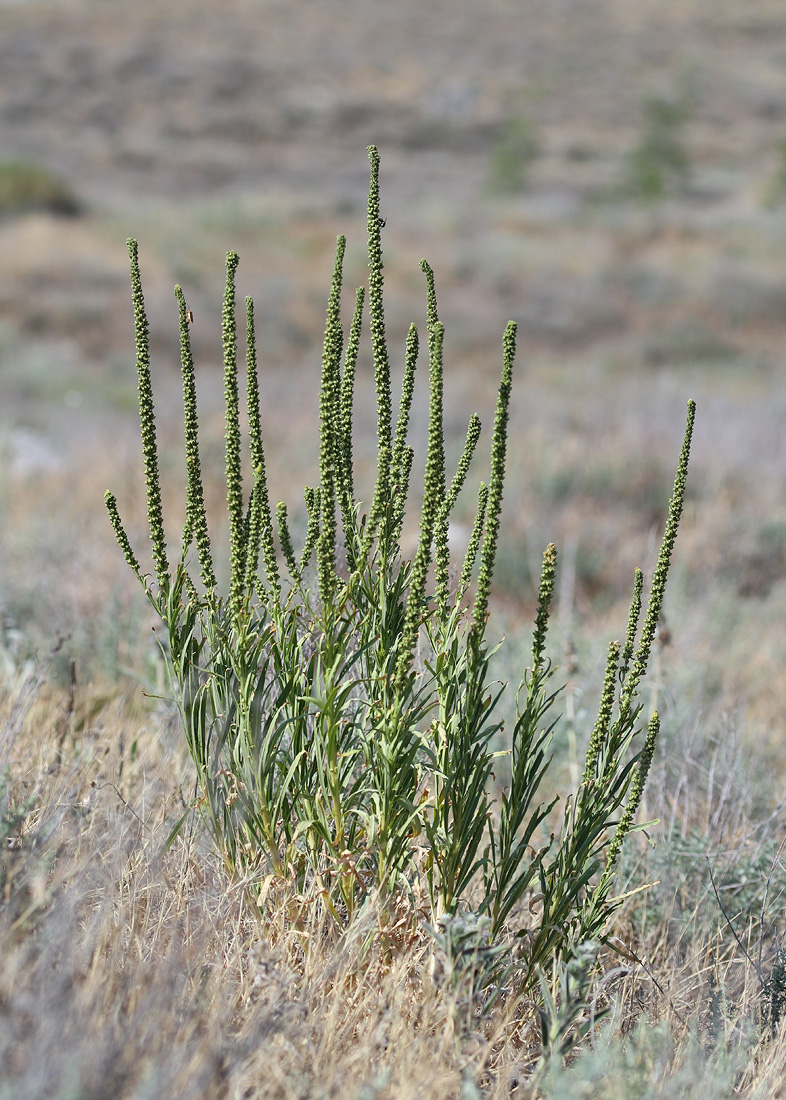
{"x": 515, "y": 153}
{"x": 659, "y": 163}
{"x": 775, "y": 190}
{"x": 25, "y": 186}
{"x": 337, "y": 702}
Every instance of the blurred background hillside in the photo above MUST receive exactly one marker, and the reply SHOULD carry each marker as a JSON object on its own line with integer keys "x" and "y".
{"x": 610, "y": 175}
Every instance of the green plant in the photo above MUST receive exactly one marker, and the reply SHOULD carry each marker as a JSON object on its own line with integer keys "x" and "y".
{"x": 25, "y": 186}
{"x": 516, "y": 151}
{"x": 651, "y": 1063}
{"x": 13, "y": 817}
{"x": 776, "y": 989}
{"x": 340, "y": 715}
{"x": 775, "y": 188}
{"x": 566, "y": 1015}
{"x": 474, "y": 968}
{"x": 659, "y": 163}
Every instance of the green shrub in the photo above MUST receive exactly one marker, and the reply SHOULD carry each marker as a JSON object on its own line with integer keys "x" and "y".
{"x": 25, "y": 186}
{"x": 653, "y": 1062}
{"x": 340, "y": 714}
{"x": 516, "y": 151}
{"x": 659, "y": 163}
{"x": 775, "y": 189}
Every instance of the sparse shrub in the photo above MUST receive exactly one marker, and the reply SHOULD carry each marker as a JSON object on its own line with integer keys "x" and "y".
{"x": 566, "y": 1015}
{"x": 517, "y": 149}
{"x": 776, "y": 988}
{"x": 744, "y": 879}
{"x": 25, "y": 186}
{"x": 659, "y": 163}
{"x": 775, "y": 189}
{"x": 12, "y": 819}
{"x": 339, "y": 708}
{"x": 650, "y": 1064}
{"x": 473, "y": 967}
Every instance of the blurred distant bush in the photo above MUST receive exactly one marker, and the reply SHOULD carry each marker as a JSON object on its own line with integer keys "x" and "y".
{"x": 25, "y": 186}
{"x": 659, "y": 163}
{"x": 775, "y": 191}
{"x": 517, "y": 149}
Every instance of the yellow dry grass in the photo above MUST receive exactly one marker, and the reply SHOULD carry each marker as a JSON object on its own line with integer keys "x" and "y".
{"x": 132, "y": 971}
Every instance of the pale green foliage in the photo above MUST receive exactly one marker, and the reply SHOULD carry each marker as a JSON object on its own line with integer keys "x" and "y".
{"x": 650, "y": 1065}
{"x": 26, "y": 186}
{"x": 342, "y": 737}
{"x": 659, "y": 163}
{"x": 775, "y": 189}
{"x": 514, "y": 156}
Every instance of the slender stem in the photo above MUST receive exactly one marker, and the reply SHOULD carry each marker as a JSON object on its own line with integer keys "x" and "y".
{"x": 499, "y": 441}
{"x": 195, "y": 497}
{"x": 330, "y": 448}
{"x": 234, "y": 478}
{"x": 257, "y": 448}
{"x": 380, "y": 350}
{"x": 147, "y": 422}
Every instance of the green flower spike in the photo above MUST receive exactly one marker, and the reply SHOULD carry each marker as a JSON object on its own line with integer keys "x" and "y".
{"x": 442, "y": 551}
{"x": 636, "y": 792}
{"x": 633, "y": 624}
{"x": 380, "y": 350}
{"x": 545, "y": 593}
{"x": 601, "y": 728}
{"x": 474, "y": 540}
{"x": 407, "y": 394}
{"x": 346, "y": 402}
{"x": 330, "y": 449}
{"x": 120, "y": 533}
{"x": 195, "y": 498}
{"x": 234, "y": 478}
{"x": 285, "y": 539}
{"x": 498, "y": 451}
{"x": 147, "y": 422}
{"x": 258, "y": 450}
{"x": 433, "y": 493}
{"x": 660, "y": 575}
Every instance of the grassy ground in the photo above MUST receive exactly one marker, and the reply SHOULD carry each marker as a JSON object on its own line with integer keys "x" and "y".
{"x": 135, "y": 969}
{"x": 518, "y": 153}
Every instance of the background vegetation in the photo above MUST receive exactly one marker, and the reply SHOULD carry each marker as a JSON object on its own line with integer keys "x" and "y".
{"x": 197, "y": 133}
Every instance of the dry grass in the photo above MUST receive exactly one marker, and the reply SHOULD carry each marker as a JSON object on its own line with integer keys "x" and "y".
{"x": 135, "y": 972}
{"x": 128, "y": 972}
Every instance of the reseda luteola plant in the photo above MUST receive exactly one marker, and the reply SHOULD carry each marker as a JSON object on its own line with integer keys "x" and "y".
{"x": 338, "y": 704}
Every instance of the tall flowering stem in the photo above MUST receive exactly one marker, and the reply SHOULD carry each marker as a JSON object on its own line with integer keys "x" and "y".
{"x": 331, "y": 451}
{"x": 233, "y": 473}
{"x": 498, "y": 451}
{"x": 258, "y": 450}
{"x": 376, "y": 311}
{"x": 147, "y": 423}
{"x": 658, "y": 589}
{"x": 195, "y": 497}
